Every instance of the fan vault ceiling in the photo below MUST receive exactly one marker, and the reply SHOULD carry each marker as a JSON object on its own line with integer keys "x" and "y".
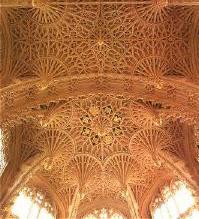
{"x": 99, "y": 91}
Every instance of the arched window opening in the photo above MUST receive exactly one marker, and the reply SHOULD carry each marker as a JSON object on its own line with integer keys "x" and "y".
{"x": 104, "y": 214}
{"x": 2, "y": 154}
{"x": 175, "y": 202}
{"x": 32, "y": 205}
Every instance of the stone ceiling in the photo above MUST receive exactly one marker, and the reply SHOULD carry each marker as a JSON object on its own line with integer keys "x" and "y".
{"x": 100, "y": 89}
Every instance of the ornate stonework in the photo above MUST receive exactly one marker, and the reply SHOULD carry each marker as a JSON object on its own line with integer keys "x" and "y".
{"x": 101, "y": 95}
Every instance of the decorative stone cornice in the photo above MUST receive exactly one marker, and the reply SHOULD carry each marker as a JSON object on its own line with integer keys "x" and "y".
{"x": 22, "y": 98}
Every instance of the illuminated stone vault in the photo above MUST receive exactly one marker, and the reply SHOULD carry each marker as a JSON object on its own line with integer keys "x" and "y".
{"x": 100, "y": 101}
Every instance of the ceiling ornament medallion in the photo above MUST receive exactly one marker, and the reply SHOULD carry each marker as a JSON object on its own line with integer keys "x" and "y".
{"x": 103, "y": 125}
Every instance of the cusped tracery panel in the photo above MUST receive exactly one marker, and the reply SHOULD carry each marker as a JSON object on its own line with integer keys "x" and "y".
{"x": 27, "y": 151}
{"x": 67, "y": 194}
{"x": 145, "y": 113}
{"x": 184, "y": 13}
{"x": 57, "y": 145}
{"x": 20, "y": 71}
{"x": 104, "y": 186}
{"x": 42, "y": 12}
{"x": 176, "y": 131}
{"x": 26, "y": 134}
{"x": 100, "y": 38}
{"x": 141, "y": 191}
{"x": 15, "y": 13}
{"x": 83, "y": 169}
{"x": 47, "y": 69}
{"x": 152, "y": 69}
{"x": 153, "y": 12}
{"x": 45, "y": 13}
{"x": 56, "y": 175}
{"x": 55, "y": 114}
{"x": 174, "y": 36}
{"x": 184, "y": 68}
{"x": 124, "y": 168}
{"x": 26, "y": 39}
{"x": 146, "y": 144}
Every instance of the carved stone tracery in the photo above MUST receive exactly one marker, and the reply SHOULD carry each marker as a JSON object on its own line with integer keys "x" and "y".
{"x": 99, "y": 94}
